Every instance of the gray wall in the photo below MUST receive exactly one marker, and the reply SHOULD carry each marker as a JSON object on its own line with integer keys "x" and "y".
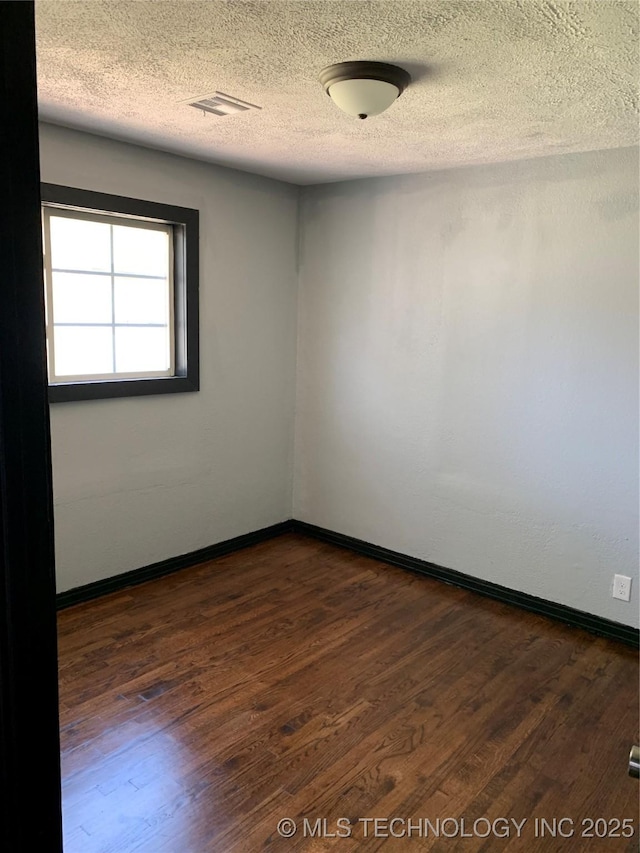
{"x": 140, "y": 480}
{"x": 468, "y": 371}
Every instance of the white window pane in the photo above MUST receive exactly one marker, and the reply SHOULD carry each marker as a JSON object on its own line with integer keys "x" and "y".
{"x": 79, "y": 244}
{"x": 141, "y": 252}
{"x": 80, "y": 351}
{"x": 141, "y": 350}
{"x": 141, "y": 300}
{"x": 79, "y": 298}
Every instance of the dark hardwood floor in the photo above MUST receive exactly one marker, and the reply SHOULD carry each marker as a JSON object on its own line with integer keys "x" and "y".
{"x": 297, "y": 680}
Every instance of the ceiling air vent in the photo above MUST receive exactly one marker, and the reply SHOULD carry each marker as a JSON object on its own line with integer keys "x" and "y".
{"x": 221, "y": 105}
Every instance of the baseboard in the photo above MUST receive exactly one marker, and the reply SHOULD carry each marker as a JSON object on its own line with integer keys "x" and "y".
{"x": 560, "y": 612}
{"x": 167, "y": 567}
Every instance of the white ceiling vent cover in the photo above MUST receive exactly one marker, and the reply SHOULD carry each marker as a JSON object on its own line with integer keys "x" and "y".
{"x": 221, "y": 105}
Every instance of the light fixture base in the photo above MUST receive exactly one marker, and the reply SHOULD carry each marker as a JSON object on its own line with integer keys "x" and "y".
{"x": 359, "y": 70}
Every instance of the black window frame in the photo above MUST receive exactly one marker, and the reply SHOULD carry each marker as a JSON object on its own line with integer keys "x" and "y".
{"x": 185, "y": 222}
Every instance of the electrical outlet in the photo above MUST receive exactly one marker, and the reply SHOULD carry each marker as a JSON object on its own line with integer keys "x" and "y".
{"x": 621, "y": 587}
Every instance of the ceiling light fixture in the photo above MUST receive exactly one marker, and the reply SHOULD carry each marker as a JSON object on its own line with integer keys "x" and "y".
{"x": 364, "y": 89}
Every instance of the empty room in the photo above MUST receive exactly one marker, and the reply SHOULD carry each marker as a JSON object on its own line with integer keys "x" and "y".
{"x": 319, "y": 415}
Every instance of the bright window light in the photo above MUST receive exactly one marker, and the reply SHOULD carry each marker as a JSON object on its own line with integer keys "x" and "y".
{"x": 109, "y": 294}
{"x": 121, "y": 292}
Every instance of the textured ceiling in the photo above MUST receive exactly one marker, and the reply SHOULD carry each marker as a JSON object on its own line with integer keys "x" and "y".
{"x": 491, "y": 80}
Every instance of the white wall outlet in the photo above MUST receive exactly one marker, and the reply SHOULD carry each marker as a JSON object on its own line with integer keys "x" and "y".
{"x": 621, "y": 587}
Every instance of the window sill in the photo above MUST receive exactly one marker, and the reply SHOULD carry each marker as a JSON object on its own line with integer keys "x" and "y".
{"x": 65, "y": 392}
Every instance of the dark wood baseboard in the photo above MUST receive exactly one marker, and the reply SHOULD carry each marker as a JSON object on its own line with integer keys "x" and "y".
{"x": 167, "y": 567}
{"x": 551, "y": 609}
{"x": 560, "y": 612}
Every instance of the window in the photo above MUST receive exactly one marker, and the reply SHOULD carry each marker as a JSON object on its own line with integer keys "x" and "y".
{"x": 121, "y": 292}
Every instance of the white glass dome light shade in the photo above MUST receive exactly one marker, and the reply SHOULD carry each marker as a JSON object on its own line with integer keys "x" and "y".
{"x": 362, "y": 97}
{"x": 362, "y": 88}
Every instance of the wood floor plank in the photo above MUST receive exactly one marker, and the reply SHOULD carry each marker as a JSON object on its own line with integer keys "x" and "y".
{"x": 298, "y": 680}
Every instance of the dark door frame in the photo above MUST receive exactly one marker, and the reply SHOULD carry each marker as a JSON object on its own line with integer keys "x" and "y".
{"x": 30, "y": 812}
